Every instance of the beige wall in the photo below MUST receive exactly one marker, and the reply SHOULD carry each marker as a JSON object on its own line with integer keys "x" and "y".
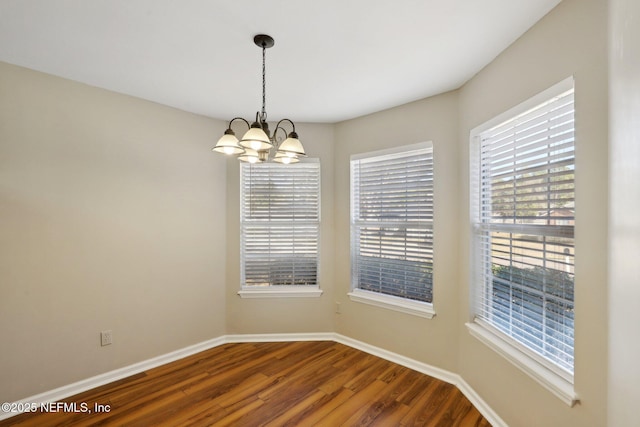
{"x": 284, "y": 315}
{"x": 570, "y": 40}
{"x": 108, "y": 206}
{"x": 428, "y": 340}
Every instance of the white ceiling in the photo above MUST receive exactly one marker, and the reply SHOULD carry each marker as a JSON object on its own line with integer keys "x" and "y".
{"x": 332, "y": 60}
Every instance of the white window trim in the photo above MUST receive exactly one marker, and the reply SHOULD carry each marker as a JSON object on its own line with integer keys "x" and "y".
{"x": 273, "y": 292}
{"x": 403, "y": 305}
{"x": 391, "y": 302}
{"x": 393, "y": 150}
{"x": 288, "y": 291}
{"x": 560, "y": 385}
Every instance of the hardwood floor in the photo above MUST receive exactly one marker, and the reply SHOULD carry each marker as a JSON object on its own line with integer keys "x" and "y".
{"x": 270, "y": 384}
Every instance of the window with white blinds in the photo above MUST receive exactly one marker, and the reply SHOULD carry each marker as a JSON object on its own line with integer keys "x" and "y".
{"x": 280, "y": 224}
{"x": 524, "y": 231}
{"x": 392, "y": 223}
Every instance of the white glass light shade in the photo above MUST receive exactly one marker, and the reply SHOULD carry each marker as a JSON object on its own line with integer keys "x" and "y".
{"x": 250, "y": 156}
{"x": 256, "y": 139}
{"x": 285, "y": 158}
{"x": 291, "y": 146}
{"x": 228, "y": 144}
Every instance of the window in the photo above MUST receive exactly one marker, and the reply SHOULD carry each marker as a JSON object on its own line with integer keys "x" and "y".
{"x": 523, "y": 221}
{"x": 392, "y": 229}
{"x": 280, "y": 226}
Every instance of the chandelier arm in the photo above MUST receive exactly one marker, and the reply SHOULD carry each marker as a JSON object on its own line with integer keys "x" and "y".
{"x": 275, "y": 139}
{"x": 239, "y": 118}
{"x": 286, "y": 120}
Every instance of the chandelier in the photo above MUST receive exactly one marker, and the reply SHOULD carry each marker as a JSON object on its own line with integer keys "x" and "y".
{"x": 257, "y": 144}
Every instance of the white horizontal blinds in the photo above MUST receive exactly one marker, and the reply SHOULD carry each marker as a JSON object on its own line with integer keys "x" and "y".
{"x": 392, "y": 216}
{"x": 525, "y": 229}
{"x": 280, "y": 223}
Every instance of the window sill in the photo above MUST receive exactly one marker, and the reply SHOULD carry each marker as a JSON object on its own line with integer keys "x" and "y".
{"x": 281, "y": 292}
{"x": 403, "y": 305}
{"x": 556, "y": 384}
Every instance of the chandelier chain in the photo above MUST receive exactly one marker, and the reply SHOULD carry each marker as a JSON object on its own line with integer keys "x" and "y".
{"x": 264, "y": 86}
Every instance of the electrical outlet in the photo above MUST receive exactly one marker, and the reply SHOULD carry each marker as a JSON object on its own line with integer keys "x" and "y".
{"x": 338, "y": 308}
{"x": 106, "y": 338}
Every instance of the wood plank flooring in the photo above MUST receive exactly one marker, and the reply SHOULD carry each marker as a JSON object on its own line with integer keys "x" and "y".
{"x": 319, "y": 383}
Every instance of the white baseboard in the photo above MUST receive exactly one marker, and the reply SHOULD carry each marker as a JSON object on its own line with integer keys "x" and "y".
{"x": 63, "y": 392}
{"x": 312, "y": 336}
{"x": 93, "y": 382}
{"x": 486, "y": 410}
{"x": 432, "y": 371}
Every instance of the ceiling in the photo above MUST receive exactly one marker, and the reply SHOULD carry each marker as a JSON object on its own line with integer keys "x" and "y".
{"x": 332, "y": 60}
